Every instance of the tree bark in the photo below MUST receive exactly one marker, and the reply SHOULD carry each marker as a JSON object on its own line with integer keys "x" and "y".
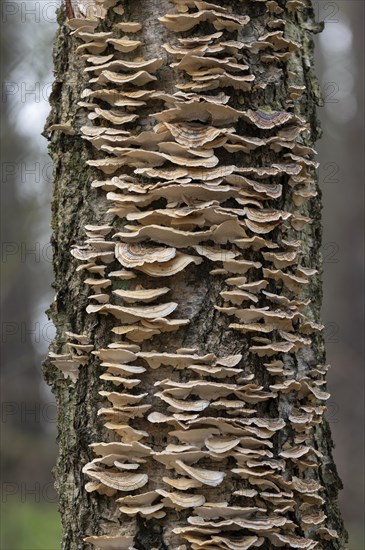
{"x": 195, "y": 289}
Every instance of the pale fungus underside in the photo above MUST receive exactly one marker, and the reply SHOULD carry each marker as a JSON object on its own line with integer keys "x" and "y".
{"x": 175, "y": 170}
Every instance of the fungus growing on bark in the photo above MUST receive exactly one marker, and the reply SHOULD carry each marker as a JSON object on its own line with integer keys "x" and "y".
{"x": 129, "y": 26}
{"x": 185, "y": 185}
{"x": 106, "y": 542}
{"x": 134, "y": 313}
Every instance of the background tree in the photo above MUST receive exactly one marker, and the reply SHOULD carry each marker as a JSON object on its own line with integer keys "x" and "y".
{"x": 262, "y": 179}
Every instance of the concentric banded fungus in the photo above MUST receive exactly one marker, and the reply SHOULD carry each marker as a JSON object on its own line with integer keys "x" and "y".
{"x": 189, "y": 186}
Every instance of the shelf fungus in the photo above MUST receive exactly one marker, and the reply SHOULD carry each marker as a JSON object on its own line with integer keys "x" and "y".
{"x": 189, "y": 178}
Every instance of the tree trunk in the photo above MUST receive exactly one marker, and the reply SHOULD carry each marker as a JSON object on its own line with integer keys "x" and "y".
{"x": 260, "y": 373}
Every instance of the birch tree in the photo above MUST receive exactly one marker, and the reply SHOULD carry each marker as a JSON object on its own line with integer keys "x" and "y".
{"x": 189, "y": 364}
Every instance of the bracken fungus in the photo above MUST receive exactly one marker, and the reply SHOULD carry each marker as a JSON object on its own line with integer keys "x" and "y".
{"x": 187, "y": 184}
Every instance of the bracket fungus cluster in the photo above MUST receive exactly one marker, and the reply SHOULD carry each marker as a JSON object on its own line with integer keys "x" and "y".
{"x": 188, "y": 178}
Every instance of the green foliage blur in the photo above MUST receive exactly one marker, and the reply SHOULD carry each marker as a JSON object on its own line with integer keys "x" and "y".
{"x": 29, "y": 526}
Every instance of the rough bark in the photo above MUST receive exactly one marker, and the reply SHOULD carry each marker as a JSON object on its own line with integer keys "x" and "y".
{"x": 75, "y": 205}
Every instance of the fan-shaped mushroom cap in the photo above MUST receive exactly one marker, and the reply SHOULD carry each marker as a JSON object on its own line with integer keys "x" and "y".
{"x": 69, "y": 365}
{"x": 143, "y": 157}
{"x": 193, "y": 191}
{"x": 129, "y": 26}
{"x": 93, "y": 47}
{"x": 127, "y": 433}
{"x": 209, "y": 6}
{"x": 207, "y": 477}
{"x": 205, "y": 214}
{"x": 137, "y": 254}
{"x": 159, "y": 418}
{"x": 98, "y": 284}
{"x": 131, "y": 314}
{"x": 135, "y": 332}
{"x": 149, "y": 511}
{"x": 123, "y": 274}
{"x": 165, "y": 325}
{"x": 176, "y": 360}
{"x": 240, "y": 282}
{"x": 190, "y": 97}
{"x": 91, "y": 486}
{"x": 140, "y": 504}
{"x": 143, "y": 498}
{"x": 292, "y": 282}
{"x": 201, "y": 537}
{"x": 124, "y": 414}
{"x": 116, "y": 480}
{"x": 80, "y": 348}
{"x": 253, "y": 327}
{"x": 193, "y": 40}
{"x": 237, "y": 297}
{"x": 177, "y": 151}
{"x": 266, "y": 216}
{"x": 150, "y": 65}
{"x": 134, "y": 449}
{"x": 256, "y": 189}
{"x": 292, "y": 541}
{"x": 272, "y": 349}
{"x": 141, "y": 295}
{"x": 223, "y": 444}
{"x": 256, "y": 524}
{"x": 203, "y": 389}
{"x": 214, "y": 81}
{"x": 195, "y": 436}
{"x": 124, "y": 44}
{"x": 177, "y": 405}
{"x": 192, "y": 63}
{"x": 222, "y": 510}
{"x": 226, "y": 231}
{"x": 182, "y": 483}
{"x": 139, "y": 78}
{"x": 313, "y": 518}
{"x": 214, "y": 371}
{"x": 195, "y": 134}
{"x": 327, "y": 534}
{"x": 121, "y": 399}
{"x": 240, "y": 266}
{"x": 173, "y": 453}
{"x": 305, "y": 486}
{"x": 205, "y": 112}
{"x": 116, "y": 117}
{"x": 180, "y": 500}
{"x": 293, "y": 5}
{"x": 268, "y": 119}
{"x": 115, "y": 355}
{"x": 107, "y": 542}
{"x": 243, "y": 543}
{"x": 284, "y": 301}
{"x": 82, "y": 338}
{"x": 124, "y": 370}
{"x": 250, "y": 493}
{"x": 171, "y": 267}
{"x": 77, "y": 22}
{"x": 220, "y": 20}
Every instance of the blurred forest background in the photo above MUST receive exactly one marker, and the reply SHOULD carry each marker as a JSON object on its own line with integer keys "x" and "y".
{"x": 29, "y": 518}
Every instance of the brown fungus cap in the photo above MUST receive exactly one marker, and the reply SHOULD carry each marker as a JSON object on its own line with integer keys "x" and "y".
{"x": 108, "y": 542}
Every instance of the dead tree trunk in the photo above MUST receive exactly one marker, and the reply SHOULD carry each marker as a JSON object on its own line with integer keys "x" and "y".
{"x": 187, "y": 227}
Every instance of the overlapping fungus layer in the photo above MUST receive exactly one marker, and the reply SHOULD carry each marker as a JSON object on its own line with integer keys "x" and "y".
{"x": 187, "y": 184}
